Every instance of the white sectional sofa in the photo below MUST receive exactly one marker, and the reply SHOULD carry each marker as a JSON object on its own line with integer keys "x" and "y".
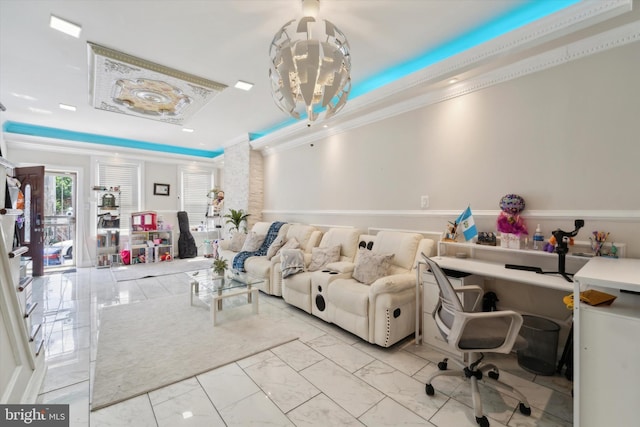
{"x": 381, "y": 312}
{"x": 268, "y": 269}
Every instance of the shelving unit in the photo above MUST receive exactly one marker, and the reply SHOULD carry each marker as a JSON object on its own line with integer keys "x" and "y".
{"x": 148, "y": 244}
{"x": 108, "y": 228}
{"x": 21, "y": 344}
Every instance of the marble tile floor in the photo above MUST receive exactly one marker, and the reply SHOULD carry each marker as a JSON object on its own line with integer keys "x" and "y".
{"x": 327, "y": 377}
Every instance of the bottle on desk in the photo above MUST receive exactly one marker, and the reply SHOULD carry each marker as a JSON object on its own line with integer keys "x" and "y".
{"x": 538, "y": 239}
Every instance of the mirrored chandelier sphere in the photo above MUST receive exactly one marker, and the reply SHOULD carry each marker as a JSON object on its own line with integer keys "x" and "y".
{"x": 310, "y": 68}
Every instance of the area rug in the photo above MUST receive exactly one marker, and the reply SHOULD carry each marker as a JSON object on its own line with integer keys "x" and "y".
{"x": 154, "y": 343}
{"x": 154, "y": 269}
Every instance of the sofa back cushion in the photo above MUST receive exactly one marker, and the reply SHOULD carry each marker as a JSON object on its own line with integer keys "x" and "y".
{"x": 428, "y": 246}
{"x": 261, "y": 227}
{"x": 346, "y": 238}
{"x": 403, "y": 245}
{"x": 306, "y": 235}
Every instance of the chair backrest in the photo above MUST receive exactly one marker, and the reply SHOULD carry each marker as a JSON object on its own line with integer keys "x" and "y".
{"x": 449, "y": 303}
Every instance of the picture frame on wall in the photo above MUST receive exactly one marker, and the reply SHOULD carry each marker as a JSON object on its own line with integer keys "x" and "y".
{"x": 161, "y": 189}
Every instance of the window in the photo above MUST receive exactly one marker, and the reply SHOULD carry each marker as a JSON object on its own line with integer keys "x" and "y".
{"x": 127, "y": 177}
{"x": 194, "y": 187}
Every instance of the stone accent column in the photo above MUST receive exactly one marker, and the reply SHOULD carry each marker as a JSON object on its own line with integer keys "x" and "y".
{"x": 243, "y": 180}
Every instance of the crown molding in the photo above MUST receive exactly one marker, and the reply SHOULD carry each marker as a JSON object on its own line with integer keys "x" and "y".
{"x": 571, "y": 19}
{"x": 608, "y": 215}
{"x": 37, "y": 143}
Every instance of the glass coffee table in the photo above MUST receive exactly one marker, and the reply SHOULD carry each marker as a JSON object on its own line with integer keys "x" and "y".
{"x": 212, "y": 289}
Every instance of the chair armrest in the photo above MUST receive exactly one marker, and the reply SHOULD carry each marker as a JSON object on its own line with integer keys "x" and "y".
{"x": 472, "y": 289}
{"x": 462, "y": 320}
{"x": 393, "y": 283}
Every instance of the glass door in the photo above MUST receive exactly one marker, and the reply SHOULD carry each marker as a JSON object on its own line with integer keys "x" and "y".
{"x": 60, "y": 220}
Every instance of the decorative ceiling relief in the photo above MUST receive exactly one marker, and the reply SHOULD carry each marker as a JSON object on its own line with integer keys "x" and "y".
{"x": 122, "y": 83}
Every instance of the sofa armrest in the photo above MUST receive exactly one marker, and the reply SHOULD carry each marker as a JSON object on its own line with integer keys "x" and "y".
{"x": 393, "y": 283}
{"x": 340, "y": 266}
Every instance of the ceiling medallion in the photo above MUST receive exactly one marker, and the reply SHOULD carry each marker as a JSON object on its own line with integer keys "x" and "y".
{"x": 125, "y": 84}
{"x": 310, "y": 66}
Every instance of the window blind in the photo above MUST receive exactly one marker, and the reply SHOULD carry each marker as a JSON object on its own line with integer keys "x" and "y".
{"x": 127, "y": 177}
{"x": 195, "y": 187}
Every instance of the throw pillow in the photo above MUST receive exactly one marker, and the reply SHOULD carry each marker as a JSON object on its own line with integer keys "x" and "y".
{"x": 275, "y": 247}
{"x": 323, "y": 256}
{"x": 237, "y": 240}
{"x": 253, "y": 242}
{"x": 370, "y": 267}
{"x": 292, "y": 243}
{"x": 292, "y": 261}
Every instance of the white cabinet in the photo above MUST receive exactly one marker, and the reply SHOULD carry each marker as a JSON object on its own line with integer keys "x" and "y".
{"x": 430, "y": 295}
{"x": 606, "y": 346}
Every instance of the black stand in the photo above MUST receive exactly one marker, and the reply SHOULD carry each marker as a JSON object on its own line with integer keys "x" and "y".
{"x": 562, "y": 239}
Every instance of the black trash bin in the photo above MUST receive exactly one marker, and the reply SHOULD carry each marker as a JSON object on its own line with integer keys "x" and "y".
{"x": 540, "y": 355}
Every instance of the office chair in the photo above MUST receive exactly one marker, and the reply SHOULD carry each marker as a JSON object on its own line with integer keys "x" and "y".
{"x": 473, "y": 333}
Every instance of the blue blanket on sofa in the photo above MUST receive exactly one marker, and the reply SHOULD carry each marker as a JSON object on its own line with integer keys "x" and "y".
{"x": 241, "y": 257}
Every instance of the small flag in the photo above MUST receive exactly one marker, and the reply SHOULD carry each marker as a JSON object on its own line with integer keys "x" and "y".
{"x": 467, "y": 225}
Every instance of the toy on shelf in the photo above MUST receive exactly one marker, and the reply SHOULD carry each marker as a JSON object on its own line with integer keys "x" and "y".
{"x": 597, "y": 242}
{"x": 509, "y": 220}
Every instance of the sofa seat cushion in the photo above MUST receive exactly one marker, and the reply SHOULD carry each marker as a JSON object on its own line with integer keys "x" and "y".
{"x": 349, "y": 295}
{"x": 258, "y": 267}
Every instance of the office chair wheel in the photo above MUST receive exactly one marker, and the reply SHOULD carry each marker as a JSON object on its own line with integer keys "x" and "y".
{"x": 482, "y": 422}
{"x": 443, "y": 365}
{"x": 524, "y": 410}
{"x": 428, "y": 388}
{"x": 494, "y": 375}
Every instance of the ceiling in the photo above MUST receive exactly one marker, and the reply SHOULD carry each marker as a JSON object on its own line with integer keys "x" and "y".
{"x": 228, "y": 40}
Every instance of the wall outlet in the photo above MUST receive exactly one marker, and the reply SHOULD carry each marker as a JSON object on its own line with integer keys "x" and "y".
{"x": 424, "y": 202}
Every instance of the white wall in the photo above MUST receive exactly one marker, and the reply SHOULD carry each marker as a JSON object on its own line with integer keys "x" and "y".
{"x": 566, "y": 139}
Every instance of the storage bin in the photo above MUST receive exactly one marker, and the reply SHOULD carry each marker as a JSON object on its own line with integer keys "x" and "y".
{"x": 540, "y": 355}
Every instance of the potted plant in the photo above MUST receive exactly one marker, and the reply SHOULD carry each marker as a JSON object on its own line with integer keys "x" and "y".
{"x": 219, "y": 266}
{"x": 236, "y": 218}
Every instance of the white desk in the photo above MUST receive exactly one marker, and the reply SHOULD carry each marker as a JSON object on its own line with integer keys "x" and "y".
{"x": 498, "y": 271}
{"x": 606, "y": 345}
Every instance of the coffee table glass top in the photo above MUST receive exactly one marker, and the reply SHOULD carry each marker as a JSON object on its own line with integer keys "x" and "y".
{"x": 205, "y": 283}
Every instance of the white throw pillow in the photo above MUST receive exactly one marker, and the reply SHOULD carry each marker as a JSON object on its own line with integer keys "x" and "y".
{"x": 292, "y": 261}
{"x": 370, "y": 267}
{"x": 323, "y": 256}
{"x": 253, "y": 242}
{"x": 275, "y": 247}
{"x": 237, "y": 240}
{"x": 292, "y": 243}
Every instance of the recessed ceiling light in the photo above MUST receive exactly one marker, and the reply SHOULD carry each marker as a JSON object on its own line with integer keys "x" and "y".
{"x": 243, "y": 85}
{"x": 67, "y": 107}
{"x": 452, "y": 81}
{"x": 65, "y": 26}
{"x": 23, "y": 96}
{"x": 189, "y": 130}
{"x": 39, "y": 110}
